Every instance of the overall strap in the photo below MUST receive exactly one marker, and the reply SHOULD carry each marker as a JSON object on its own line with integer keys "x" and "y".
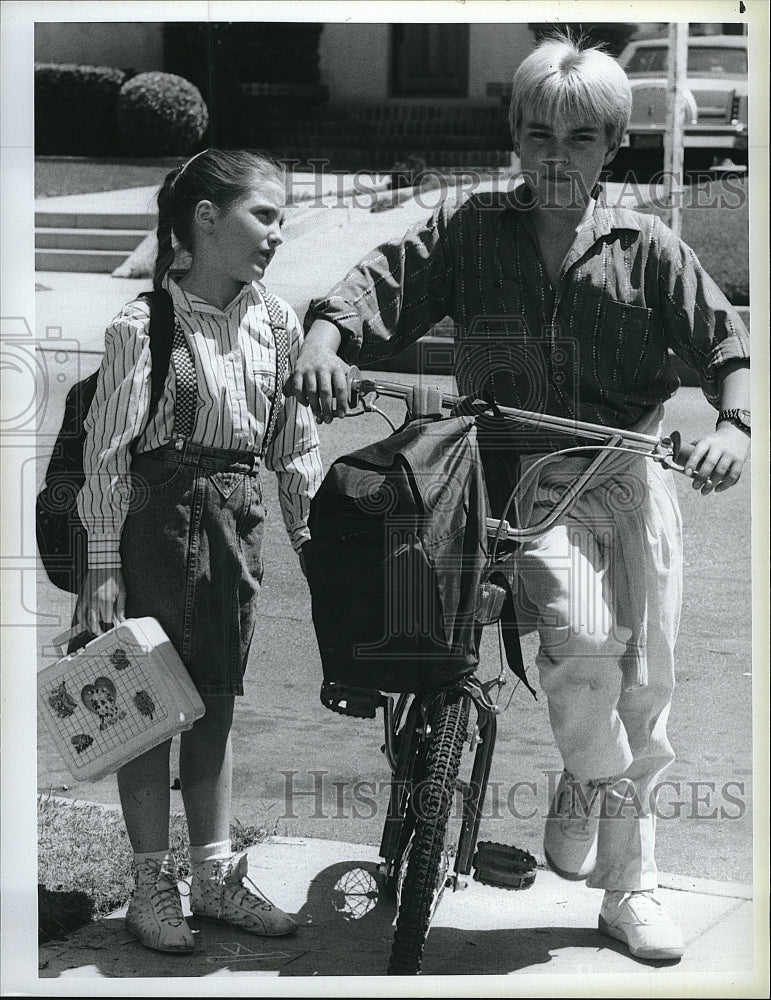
{"x": 281, "y": 340}
{"x": 169, "y": 346}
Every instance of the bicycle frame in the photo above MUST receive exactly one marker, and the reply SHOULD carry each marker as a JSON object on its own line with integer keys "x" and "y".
{"x": 408, "y": 723}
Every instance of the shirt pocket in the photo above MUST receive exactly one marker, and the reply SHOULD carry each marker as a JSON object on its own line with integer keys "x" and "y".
{"x": 629, "y": 354}
{"x": 264, "y": 375}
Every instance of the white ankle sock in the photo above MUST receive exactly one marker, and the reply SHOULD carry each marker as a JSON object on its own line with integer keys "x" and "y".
{"x": 220, "y": 850}
{"x": 166, "y": 857}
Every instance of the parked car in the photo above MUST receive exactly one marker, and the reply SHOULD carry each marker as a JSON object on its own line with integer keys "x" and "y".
{"x": 716, "y": 95}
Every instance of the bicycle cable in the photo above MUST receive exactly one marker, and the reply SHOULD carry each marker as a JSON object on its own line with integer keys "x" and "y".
{"x": 545, "y": 459}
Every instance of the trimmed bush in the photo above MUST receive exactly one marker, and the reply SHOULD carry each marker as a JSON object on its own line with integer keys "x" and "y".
{"x": 76, "y": 109}
{"x": 161, "y": 114}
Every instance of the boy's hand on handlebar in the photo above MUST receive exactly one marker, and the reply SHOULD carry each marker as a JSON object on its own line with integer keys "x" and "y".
{"x": 319, "y": 381}
{"x": 319, "y": 376}
{"x": 102, "y": 601}
{"x": 716, "y": 460}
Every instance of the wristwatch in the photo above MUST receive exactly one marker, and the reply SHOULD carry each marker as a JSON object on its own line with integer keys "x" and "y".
{"x": 739, "y": 418}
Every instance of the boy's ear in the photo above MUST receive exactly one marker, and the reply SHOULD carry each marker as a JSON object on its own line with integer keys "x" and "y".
{"x": 610, "y": 154}
{"x": 205, "y": 215}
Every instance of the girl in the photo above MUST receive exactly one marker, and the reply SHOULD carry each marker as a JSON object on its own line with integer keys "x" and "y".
{"x": 173, "y": 508}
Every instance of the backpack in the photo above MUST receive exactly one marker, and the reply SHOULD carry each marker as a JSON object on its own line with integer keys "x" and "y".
{"x": 62, "y": 539}
{"x": 396, "y": 558}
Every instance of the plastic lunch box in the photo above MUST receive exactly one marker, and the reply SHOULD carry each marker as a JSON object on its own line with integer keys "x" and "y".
{"x": 118, "y": 696}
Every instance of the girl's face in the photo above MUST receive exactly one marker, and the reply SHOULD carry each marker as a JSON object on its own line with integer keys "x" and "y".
{"x": 246, "y": 235}
{"x": 562, "y": 160}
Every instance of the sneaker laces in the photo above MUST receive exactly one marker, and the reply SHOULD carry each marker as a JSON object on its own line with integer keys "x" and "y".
{"x": 566, "y": 806}
{"x": 234, "y": 876}
{"x": 164, "y": 894}
{"x": 643, "y": 903}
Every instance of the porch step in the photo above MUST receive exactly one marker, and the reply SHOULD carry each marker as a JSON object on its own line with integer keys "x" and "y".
{"x": 96, "y": 220}
{"x": 78, "y": 238}
{"x": 80, "y": 261}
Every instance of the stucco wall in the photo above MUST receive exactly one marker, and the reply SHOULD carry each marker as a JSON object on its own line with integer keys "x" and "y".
{"x": 354, "y": 58}
{"x": 123, "y": 45}
{"x": 495, "y": 51}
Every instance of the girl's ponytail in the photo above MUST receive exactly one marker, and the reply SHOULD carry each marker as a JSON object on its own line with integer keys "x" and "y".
{"x": 166, "y": 252}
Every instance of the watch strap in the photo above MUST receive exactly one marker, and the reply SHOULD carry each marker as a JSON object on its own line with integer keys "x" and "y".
{"x": 735, "y": 417}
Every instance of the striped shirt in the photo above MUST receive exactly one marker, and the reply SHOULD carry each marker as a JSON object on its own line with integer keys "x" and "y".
{"x": 235, "y": 362}
{"x": 596, "y": 346}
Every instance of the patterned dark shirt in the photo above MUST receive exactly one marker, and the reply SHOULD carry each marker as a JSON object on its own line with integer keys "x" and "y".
{"x": 596, "y": 347}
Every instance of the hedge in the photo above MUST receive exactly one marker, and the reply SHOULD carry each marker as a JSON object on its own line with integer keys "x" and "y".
{"x": 161, "y": 114}
{"x": 76, "y": 109}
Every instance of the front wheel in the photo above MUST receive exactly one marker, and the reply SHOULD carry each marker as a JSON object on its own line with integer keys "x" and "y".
{"x": 425, "y": 867}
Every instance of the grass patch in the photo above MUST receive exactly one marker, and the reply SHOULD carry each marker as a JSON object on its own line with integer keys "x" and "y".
{"x": 85, "y": 859}
{"x": 59, "y": 177}
{"x": 715, "y": 224}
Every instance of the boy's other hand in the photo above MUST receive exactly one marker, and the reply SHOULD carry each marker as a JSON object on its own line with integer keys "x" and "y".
{"x": 319, "y": 376}
{"x": 716, "y": 460}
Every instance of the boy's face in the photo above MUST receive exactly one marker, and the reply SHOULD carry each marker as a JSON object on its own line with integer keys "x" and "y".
{"x": 562, "y": 160}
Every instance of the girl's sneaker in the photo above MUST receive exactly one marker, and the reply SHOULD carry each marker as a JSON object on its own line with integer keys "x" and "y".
{"x": 639, "y": 920}
{"x": 155, "y": 913}
{"x": 221, "y": 890}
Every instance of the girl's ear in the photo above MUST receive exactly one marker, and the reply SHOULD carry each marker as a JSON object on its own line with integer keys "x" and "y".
{"x": 610, "y": 154}
{"x": 205, "y": 215}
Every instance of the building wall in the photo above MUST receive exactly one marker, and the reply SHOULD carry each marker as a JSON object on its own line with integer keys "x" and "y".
{"x": 122, "y": 45}
{"x": 495, "y": 52}
{"x": 355, "y": 58}
{"x": 354, "y": 61}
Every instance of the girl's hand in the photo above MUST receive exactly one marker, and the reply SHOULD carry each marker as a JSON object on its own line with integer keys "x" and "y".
{"x": 102, "y": 601}
{"x": 717, "y": 460}
{"x": 319, "y": 375}
{"x": 303, "y": 564}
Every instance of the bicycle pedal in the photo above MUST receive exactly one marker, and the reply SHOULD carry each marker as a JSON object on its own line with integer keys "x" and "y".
{"x": 504, "y": 865}
{"x": 361, "y": 703}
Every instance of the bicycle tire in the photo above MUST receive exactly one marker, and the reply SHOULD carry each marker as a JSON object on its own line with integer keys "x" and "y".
{"x": 398, "y": 829}
{"x": 433, "y": 801}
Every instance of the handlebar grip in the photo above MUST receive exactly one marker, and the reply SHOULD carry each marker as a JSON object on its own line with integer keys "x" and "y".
{"x": 681, "y": 451}
{"x": 352, "y": 379}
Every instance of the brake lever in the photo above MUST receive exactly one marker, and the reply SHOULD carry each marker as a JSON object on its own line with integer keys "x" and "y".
{"x": 673, "y": 453}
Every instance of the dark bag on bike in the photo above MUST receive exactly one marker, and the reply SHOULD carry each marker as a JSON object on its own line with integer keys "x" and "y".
{"x": 62, "y": 539}
{"x": 396, "y": 557}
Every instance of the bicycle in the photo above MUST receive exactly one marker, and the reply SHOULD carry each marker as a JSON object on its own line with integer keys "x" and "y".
{"x": 425, "y": 731}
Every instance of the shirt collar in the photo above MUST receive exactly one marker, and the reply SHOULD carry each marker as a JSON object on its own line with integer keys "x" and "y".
{"x": 602, "y": 221}
{"x": 187, "y": 302}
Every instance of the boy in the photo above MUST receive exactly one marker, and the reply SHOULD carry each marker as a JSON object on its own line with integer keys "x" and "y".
{"x": 567, "y": 307}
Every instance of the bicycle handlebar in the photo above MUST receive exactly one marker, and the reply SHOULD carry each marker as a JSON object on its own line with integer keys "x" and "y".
{"x": 670, "y": 451}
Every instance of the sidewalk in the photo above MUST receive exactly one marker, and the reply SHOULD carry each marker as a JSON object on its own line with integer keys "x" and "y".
{"x": 346, "y": 930}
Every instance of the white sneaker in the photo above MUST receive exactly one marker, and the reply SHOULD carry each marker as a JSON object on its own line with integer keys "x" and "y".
{"x": 639, "y": 920}
{"x": 221, "y": 890}
{"x": 154, "y": 914}
{"x": 570, "y": 832}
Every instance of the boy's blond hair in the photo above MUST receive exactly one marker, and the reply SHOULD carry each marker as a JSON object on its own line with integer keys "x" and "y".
{"x": 563, "y": 79}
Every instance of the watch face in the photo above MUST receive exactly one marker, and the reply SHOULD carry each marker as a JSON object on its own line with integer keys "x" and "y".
{"x": 744, "y": 416}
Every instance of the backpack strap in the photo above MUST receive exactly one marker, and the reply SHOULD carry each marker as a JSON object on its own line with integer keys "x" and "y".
{"x": 278, "y": 325}
{"x": 161, "y": 339}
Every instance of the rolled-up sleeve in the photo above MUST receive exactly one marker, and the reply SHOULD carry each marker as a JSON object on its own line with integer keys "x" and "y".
{"x": 294, "y": 455}
{"x": 394, "y": 295}
{"x": 703, "y": 328}
{"x": 115, "y": 418}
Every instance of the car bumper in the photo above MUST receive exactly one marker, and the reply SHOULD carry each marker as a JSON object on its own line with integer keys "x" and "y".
{"x": 707, "y": 137}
